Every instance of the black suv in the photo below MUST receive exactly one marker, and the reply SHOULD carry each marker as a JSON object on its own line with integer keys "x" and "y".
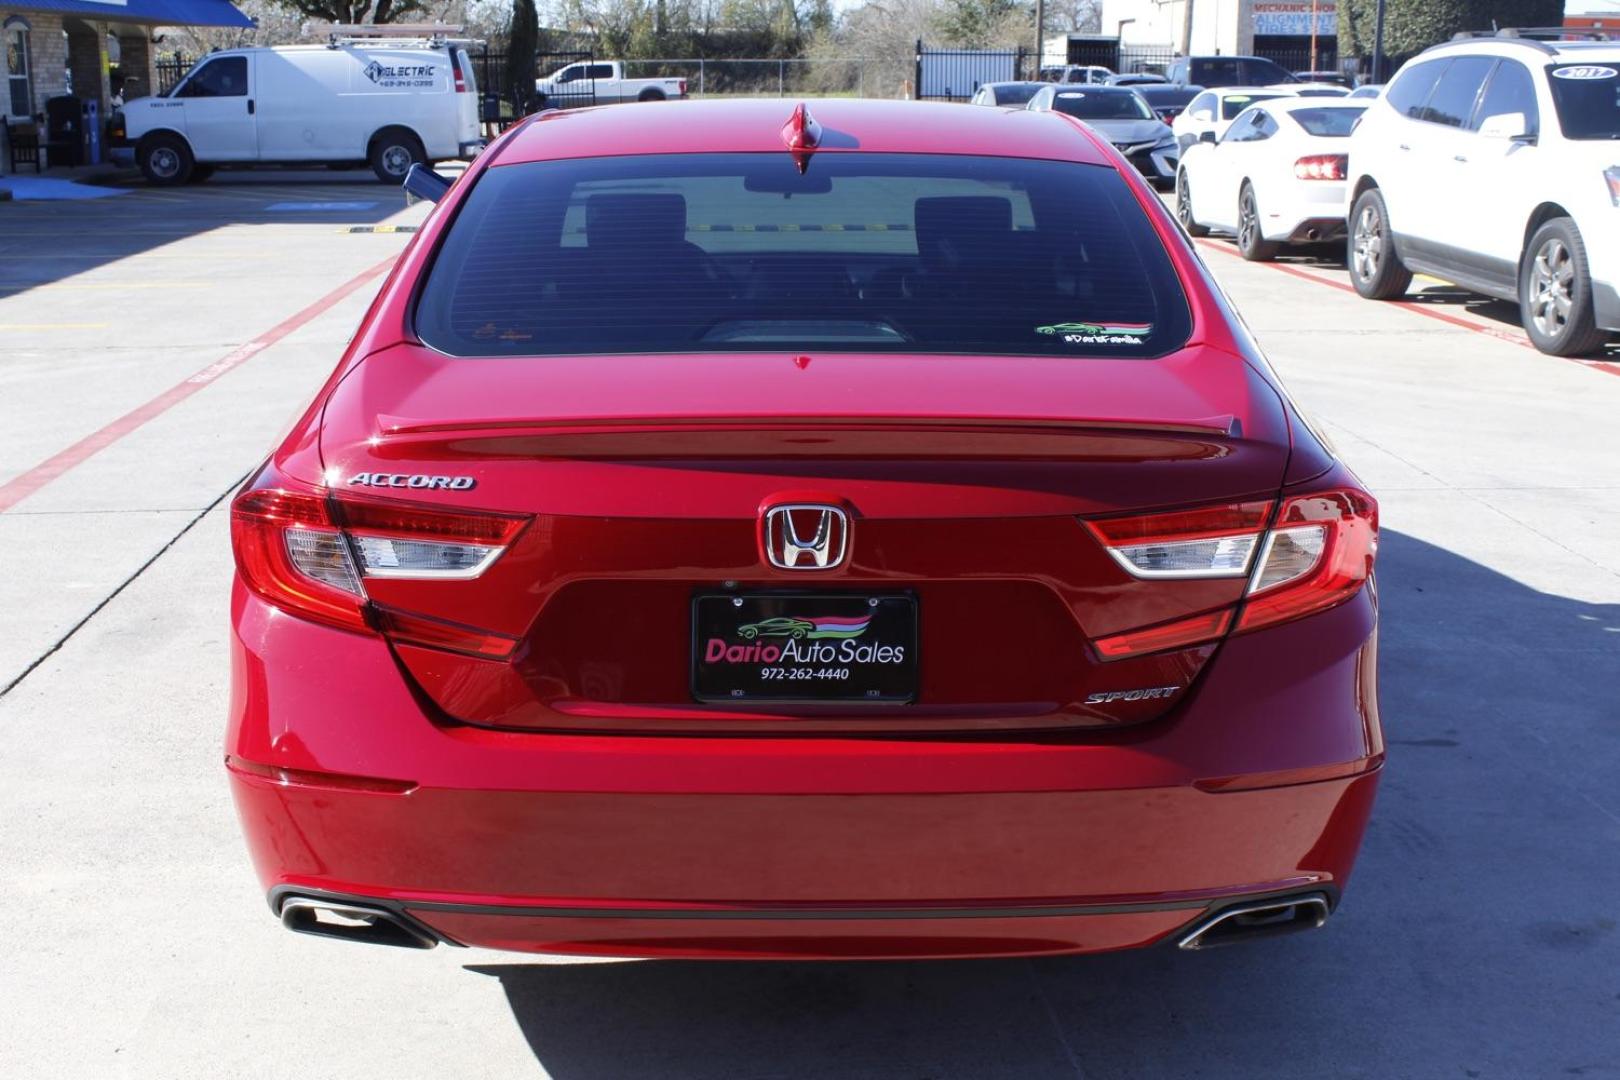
{"x": 1214, "y": 71}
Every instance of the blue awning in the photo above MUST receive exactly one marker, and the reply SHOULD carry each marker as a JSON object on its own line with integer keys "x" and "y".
{"x": 155, "y": 12}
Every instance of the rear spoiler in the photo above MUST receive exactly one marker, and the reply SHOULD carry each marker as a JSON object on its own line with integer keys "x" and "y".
{"x": 776, "y": 437}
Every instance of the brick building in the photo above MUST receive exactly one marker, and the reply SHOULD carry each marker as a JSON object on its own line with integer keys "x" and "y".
{"x": 50, "y": 48}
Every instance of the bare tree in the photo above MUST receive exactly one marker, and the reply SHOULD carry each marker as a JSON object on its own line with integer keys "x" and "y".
{"x": 1074, "y": 16}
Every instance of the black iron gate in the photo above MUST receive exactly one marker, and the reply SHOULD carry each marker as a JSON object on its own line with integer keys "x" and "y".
{"x": 572, "y": 78}
{"x": 502, "y": 103}
{"x": 956, "y": 74}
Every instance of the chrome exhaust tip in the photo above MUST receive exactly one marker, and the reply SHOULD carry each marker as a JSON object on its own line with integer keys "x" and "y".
{"x": 354, "y": 922}
{"x": 1257, "y": 919}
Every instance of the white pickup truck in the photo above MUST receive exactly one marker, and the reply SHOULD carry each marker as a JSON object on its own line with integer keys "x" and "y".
{"x": 601, "y": 83}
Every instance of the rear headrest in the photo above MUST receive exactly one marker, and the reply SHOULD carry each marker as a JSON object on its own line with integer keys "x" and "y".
{"x": 623, "y": 220}
{"x": 962, "y": 223}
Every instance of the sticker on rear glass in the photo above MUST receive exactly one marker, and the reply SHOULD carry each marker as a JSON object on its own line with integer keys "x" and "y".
{"x": 1110, "y": 333}
{"x": 1584, "y": 71}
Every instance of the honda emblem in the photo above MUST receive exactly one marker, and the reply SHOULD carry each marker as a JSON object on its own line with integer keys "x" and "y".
{"x": 805, "y": 536}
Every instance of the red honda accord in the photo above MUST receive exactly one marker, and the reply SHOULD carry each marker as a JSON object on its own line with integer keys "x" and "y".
{"x": 737, "y": 532}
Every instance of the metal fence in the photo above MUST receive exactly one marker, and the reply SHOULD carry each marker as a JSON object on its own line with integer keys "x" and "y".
{"x": 957, "y": 74}
{"x": 844, "y": 76}
{"x": 169, "y": 70}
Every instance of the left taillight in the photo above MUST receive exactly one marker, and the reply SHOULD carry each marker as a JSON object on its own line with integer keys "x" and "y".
{"x": 455, "y": 70}
{"x": 1316, "y": 554}
{"x": 308, "y": 552}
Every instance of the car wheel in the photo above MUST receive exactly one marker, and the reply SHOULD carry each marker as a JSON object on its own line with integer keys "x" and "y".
{"x": 747, "y": 633}
{"x": 798, "y": 633}
{"x": 165, "y": 160}
{"x": 393, "y": 153}
{"x": 650, "y": 94}
{"x": 1555, "y": 292}
{"x": 1375, "y": 269}
{"x": 1251, "y": 241}
{"x": 1184, "y": 212}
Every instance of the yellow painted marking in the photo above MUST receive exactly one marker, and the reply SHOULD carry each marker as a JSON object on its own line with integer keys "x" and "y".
{"x": 1432, "y": 279}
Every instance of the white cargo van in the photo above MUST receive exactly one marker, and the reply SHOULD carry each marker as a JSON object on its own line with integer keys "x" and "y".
{"x": 390, "y": 104}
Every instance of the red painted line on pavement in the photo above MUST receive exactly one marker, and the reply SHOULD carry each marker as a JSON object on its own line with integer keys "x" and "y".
{"x": 1428, "y": 312}
{"x": 20, "y": 487}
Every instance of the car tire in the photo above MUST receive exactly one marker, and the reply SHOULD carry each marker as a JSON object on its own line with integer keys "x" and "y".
{"x": 1251, "y": 241}
{"x": 393, "y": 152}
{"x": 1184, "y": 212}
{"x": 650, "y": 94}
{"x": 1555, "y": 292}
{"x": 165, "y": 159}
{"x": 1375, "y": 269}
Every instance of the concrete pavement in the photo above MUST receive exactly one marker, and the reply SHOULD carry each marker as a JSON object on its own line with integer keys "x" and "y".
{"x": 1479, "y": 938}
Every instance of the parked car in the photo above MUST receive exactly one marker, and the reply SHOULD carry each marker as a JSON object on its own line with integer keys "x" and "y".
{"x": 391, "y": 104}
{"x": 1122, "y": 116}
{"x": 1275, "y": 178}
{"x": 1316, "y": 90}
{"x": 602, "y": 82}
{"x": 1135, "y": 78}
{"x": 1367, "y": 91}
{"x": 1104, "y": 666}
{"x": 1491, "y": 163}
{"x": 1214, "y": 71}
{"x": 1335, "y": 78}
{"x": 1168, "y": 101}
{"x": 1015, "y": 94}
{"x": 1207, "y": 116}
{"x": 1076, "y": 73}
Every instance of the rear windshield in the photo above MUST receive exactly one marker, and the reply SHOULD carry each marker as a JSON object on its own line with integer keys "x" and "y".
{"x": 1328, "y": 123}
{"x": 1102, "y": 105}
{"x": 1016, "y": 93}
{"x": 1588, "y": 99}
{"x": 864, "y": 252}
{"x": 1232, "y": 104}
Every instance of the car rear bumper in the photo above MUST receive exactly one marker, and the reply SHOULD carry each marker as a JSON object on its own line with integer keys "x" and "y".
{"x": 803, "y": 847}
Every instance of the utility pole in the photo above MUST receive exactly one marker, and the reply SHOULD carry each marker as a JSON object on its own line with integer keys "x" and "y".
{"x": 1040, "y": 41}
{"x": 1186, "y": 29}
{"x": 1378, "y": 44}
{"x": 1313, "y": 34}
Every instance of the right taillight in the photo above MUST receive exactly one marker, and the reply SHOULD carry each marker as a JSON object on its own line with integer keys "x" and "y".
{"x": 308, "y": 552}
{"x": 1319, "y": 552}
{"x": 1315, "y": 553}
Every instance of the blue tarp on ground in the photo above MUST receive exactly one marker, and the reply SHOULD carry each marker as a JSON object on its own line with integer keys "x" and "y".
{"x": 157, "y": 12}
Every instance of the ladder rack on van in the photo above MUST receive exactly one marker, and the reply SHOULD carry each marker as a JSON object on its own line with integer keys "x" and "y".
{"x": 431, "y": 35}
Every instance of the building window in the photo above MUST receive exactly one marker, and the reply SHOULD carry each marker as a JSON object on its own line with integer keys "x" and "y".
{"x": 19, "y": 84}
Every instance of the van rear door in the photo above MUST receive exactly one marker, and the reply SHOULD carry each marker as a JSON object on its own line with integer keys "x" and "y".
{"x": 466, "y": 87}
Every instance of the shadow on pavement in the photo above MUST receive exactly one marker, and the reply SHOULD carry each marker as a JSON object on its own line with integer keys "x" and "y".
{"x": 1479, "y": 938}
{"x": 48, "y": 242}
